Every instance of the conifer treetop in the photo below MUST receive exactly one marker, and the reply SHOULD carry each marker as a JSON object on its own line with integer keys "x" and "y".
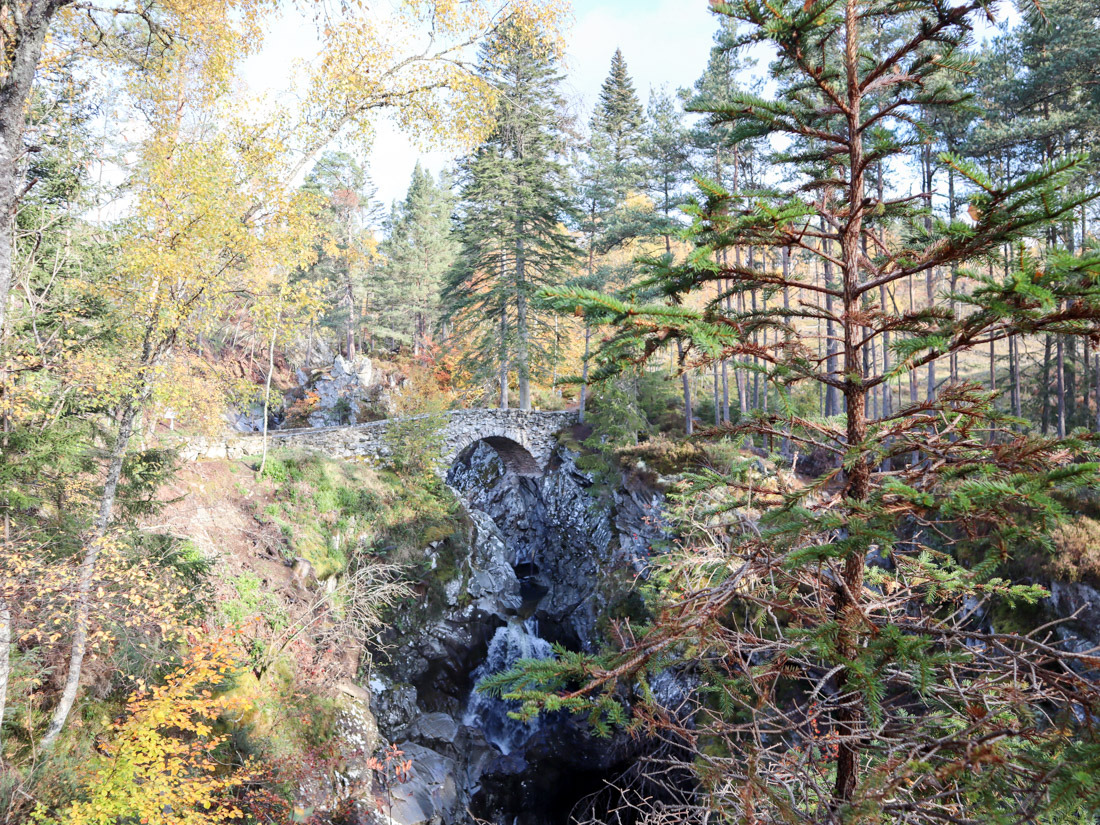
{"x": 619, "y": 111}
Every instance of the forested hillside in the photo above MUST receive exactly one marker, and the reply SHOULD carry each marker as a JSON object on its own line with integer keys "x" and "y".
{"x": 819, "y": 538}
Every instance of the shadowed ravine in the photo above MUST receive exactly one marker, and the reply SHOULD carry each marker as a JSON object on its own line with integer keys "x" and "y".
{"x": 543, "y": 563}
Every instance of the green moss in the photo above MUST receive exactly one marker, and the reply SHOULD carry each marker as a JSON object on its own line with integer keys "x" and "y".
{"x": 252, "y": 600}
{"x": 1017, "y": 618}
{"x": 568, "y": 439}
{"x": 664, "y": 456}
{"x": 188, "y": 556}
{"x": 632, "y": 606}
{"x": 327, "y": 510}
{"x": 437, "y": 531}
{"x": 1073, "y": 554}
{"x": 446, "y": 563}
{"x": 173, "y": 553}
{"x": 326, "y": 500}
{"x": 276, "y": 471}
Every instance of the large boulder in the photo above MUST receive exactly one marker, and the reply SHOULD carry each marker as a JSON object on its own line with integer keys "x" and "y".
{"x": 1082, "y": 602}
{"x": 349, "y": 392}
{"x": 488, "y": 577}
{"x": 429, "y": 795}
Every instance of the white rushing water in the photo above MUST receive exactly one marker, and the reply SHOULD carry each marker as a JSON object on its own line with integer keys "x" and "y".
{"x": 516, "y": 640}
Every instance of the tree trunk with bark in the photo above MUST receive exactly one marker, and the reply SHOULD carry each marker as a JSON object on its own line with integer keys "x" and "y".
{"x": 1014, "y": 373}
{"x": 5, "y": 666}
{"x": 584, "y": 370}
{"x": 1044, "y": 387}
{"x": 522, "y": 331}
{"x": 848, "y": 613}
{"x": 930, "y": 276}
{"x": 1096, "y": 386}
{"x": 22, "y": 51}
{"x": 1060, "y": 379}
{"x": 689, "y": 424}
{"x": 349, "y": 298}
{"x": 82, "y": 613}
{"x": 503, "y": 358}
{"x": 832, "y": 399}
{"x": 267, "y": 392}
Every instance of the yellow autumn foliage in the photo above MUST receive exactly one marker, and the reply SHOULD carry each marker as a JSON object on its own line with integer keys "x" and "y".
{"x": 158, "y": 766}
{"x": 193, "y": 394}
{"x": 133, "y": 595}
{"x": 415, "y": 62}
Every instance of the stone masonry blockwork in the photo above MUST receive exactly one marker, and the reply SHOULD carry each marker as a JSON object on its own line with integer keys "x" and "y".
{"x": 457, "y": 430}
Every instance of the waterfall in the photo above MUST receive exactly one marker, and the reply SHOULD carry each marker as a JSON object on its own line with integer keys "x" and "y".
{"x": 514, "y": 641}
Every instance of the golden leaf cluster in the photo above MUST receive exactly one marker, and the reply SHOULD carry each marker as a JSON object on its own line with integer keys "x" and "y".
{"x": 132, "y": 593}
{"x": 159, "y": 763}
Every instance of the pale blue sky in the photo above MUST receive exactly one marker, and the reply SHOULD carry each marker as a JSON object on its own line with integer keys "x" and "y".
{"x": 663, "y": 41}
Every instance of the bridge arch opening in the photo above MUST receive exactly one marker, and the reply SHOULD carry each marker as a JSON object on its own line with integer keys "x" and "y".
{"x": 513, "y": 455}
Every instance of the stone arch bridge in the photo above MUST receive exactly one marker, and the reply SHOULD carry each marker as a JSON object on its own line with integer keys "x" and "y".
{"x": 524, "y": 440}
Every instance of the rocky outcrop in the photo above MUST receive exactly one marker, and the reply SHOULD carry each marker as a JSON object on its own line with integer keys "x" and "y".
{"x": 1081, "y": 602}
{"x": 356, "y": 739}
{"x": 350, "y": 392}
{"x": 573, "y": 556}
{"x": 541, "y": 561}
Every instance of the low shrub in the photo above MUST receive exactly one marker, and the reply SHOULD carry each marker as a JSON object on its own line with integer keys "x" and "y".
{"x": 1077, "y": 551}
{"x": 664, "y": 456}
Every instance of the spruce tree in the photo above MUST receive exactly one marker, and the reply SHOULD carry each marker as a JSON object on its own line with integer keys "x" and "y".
{"x": 618, "y": 121}
{"x": 717, "y": 158}
{"x": 611, "y": 168}
{"x": 511, "y": 216}
{"x": 666, "y": 157}
{"x": 835, "y": 625}
{"x": 418, "y": 251}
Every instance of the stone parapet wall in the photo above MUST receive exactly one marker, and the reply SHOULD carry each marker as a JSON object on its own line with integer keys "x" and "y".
{"x": 458, "y": 429}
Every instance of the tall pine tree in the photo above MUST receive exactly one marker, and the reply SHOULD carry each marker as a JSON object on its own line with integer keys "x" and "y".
{"x": 846, "y": 676}
{"x": 666, "y": 158}
{"x": 618, "y": 124}
{"x": 610, "y": 169}
{"x": 514, "y": 203}
{"x": 418, "y": 251}
{"x": 347, "y": 245}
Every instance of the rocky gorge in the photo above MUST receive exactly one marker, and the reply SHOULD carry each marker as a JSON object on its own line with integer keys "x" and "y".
{"x": 528, "y": 551}
{"x": 541, "y": 562}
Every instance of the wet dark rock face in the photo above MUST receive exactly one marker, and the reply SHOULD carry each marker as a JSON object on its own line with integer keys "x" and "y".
{"x": 543, "y": 562}
{"x": 560, "y": 542}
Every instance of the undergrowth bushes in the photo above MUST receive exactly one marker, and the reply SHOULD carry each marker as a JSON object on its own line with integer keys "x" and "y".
{"x": 331, "y": 510}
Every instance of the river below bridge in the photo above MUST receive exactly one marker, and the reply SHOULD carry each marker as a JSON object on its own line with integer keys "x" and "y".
{"x": 544, "y": 563}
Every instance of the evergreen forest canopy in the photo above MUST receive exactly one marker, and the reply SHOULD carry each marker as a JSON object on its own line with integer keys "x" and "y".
{"x": 847, "y": 318}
